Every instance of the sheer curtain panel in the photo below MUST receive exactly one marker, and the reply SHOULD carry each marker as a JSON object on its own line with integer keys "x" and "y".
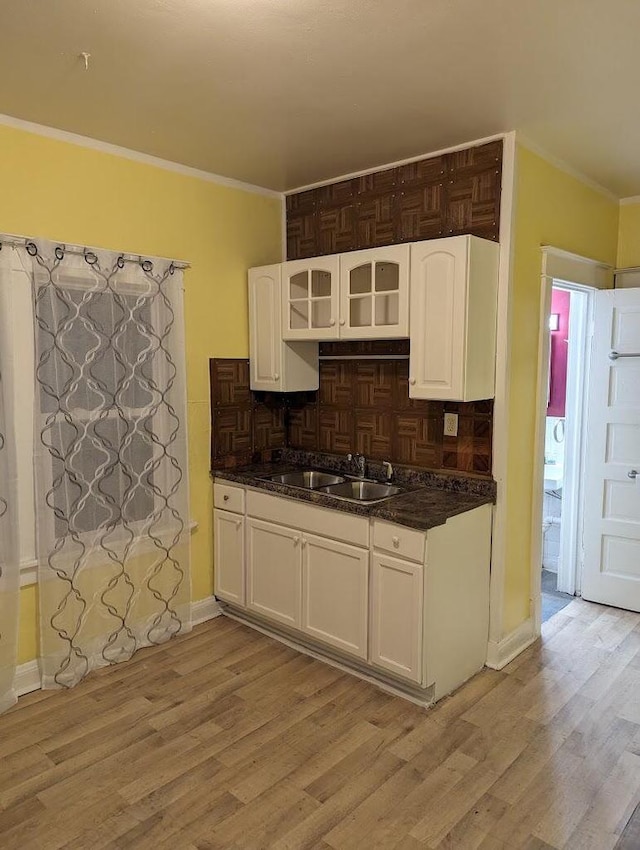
{"x": 9, "y": 556}
{"x": 110, "y": 457}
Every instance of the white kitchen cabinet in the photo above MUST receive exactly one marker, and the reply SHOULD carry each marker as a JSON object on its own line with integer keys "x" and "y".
{"x": 374, "y": 293}
{"x": 310, "y": 298}
{"x": 452, "y": 324}
{"x": 228, "y": 530}
{"x": 335, "y": 584}
{"x": 397, "y": 616}
{"x": 405, "y": 606}
{"x": 274, "y": 571}
{"x": 276, "y": 365}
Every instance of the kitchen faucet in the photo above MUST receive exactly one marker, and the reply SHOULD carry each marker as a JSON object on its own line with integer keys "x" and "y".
{"x": 360, "y": 462}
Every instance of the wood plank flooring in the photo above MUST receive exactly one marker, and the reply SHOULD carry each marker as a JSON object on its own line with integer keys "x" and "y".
{"x": 226, "y": 739}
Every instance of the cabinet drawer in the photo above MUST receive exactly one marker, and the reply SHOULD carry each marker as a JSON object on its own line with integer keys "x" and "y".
{"x": 228, "y": 498}
{"x": 335, "y": 524}
{"x": 405, "y": 542}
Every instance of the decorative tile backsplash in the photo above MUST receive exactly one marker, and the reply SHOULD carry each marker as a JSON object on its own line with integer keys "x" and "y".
{"x": 361, "y": 406}
{"x": 245, "y": 426}
{"x": 446, "y": 195}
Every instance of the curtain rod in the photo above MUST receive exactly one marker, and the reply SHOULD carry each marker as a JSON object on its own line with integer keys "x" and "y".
{"x": 21, "y": 241}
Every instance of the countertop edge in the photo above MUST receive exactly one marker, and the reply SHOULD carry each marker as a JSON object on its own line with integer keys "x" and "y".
{"x": 454, "y": 503}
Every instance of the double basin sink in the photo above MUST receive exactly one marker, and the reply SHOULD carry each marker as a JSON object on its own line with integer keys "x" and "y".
{"x": 354, "y": 489}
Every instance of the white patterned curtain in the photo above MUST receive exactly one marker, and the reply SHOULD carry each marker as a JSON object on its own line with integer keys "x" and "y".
{"x": 9, "y": 555}
{"x": 110, "y": 457}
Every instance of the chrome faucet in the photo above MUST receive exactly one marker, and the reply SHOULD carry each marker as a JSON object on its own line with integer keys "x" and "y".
{"x": 360, "y": 463}
{"x": 388, "y": 468}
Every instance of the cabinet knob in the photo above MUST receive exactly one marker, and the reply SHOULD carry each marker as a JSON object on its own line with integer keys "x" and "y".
{"x": 225, "y": 498}
{"x": 238, "y": 523}
{"x": 332, "y": 322}
{"x": 343, "y": 321}
{"x": 304, "y": 542}
{"x": 412, "y": 381}
{"x": 395, "y": 541}
{"x": 276, "y": 377}
{"x": 296, "y": 540}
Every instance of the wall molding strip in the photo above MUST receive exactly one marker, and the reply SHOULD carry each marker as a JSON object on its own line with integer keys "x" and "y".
{"x": 387, "y": 165}
{"x": 135, "y": 156}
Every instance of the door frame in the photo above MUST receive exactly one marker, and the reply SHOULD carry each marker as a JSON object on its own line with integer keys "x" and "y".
{"x": 579, "y": 356}
{"x": 582, "y": 274}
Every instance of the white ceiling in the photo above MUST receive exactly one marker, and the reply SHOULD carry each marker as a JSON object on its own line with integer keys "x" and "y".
{"x": 283, "y": 93}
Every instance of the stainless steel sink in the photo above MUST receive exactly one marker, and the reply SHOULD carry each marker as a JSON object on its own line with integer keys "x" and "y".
{"x": 310, "y": 479}
{"x": 363, "y": 491}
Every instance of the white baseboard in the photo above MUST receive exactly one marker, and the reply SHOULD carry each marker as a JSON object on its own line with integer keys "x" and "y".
{"x": 500, "y": 653}
{"x": 27, "y": 678}
{"x": 204, "y": 609}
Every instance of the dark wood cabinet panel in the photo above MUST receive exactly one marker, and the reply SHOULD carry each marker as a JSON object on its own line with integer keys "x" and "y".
{"x": 361, "y": 406}
{"x": 446, "y": 195}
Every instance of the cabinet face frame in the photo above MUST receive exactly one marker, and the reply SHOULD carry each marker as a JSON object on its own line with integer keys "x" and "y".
{"x": 398, "y": 255}
{"x": 405, "y": 621}
{"x": 337, "y": 608}
{"x": 308, "y": 302}
{"x": 229, "y": 555}
{"x": 280, "y": 573}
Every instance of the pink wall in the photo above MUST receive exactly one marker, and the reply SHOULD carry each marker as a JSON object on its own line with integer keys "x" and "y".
{"x": 560, "y": 304}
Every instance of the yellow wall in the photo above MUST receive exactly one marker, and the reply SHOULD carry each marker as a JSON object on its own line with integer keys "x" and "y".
{"x": 64, "y": 192}
{"x": 629, "y": 236}
{"x": 552, "y": 208}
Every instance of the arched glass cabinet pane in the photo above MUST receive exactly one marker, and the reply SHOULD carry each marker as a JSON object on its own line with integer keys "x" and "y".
{"x": 299, "y": 286}
{"x": 387, "y": 277}
{"x": 360, "y": 279}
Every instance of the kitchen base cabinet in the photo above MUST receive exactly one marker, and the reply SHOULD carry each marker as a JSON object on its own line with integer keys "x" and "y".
{"x": 396, "y": 616}
{"x": 273, "y": 571}
{"x": 335, "y": 581}
{"x": 406, "y": 608}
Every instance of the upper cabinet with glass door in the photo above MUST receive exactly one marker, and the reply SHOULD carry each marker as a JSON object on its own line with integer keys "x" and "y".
{"x": 374, "y": 293}
{"x": 310, "y": 299}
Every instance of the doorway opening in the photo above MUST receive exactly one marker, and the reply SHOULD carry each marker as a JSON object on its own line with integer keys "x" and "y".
{"x": 564, "y": 444}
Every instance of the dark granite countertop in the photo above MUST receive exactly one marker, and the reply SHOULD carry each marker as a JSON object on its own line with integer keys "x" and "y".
{"x": 430, "y": 498}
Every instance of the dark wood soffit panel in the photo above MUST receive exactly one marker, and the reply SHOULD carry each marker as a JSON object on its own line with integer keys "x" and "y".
{"x": 448, "y": 195}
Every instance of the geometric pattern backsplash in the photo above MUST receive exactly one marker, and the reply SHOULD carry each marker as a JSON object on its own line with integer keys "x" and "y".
{"x": 361, "y": 406}
{"x": 448, "y": 195}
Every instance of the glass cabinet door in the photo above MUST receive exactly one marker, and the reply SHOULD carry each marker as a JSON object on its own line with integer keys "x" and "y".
{"x": 375, "y": 293}
{"x": 310, "y": 303}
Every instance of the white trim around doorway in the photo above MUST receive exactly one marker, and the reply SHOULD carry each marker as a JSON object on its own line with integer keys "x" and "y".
{"x": 583, "y": 275}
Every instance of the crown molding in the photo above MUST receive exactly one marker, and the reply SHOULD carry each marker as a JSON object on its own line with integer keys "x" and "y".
{"x": 627, "y": 202}
{"x": 562, "y": 165}
{"x": 134, "y": 156}
{"x": 384, "y": 166}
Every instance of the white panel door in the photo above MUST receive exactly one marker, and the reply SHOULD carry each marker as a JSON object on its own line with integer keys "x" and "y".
{"x": 274, "y": 569}
{"x": 228, "y": 565}
{"x": 335, "y": 593}
{"x": 612, "y": 487}
{"x": 397, "y": 600}
{"x": 437, "y": 318}
{"x": 310, "y": 298}
{"x": 265, "y": 336}
{"x": 374, "y": 293}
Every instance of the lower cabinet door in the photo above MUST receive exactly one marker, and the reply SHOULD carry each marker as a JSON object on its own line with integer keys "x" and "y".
{"x": 397, "y": 606}
{"x": 335, "y": 581}
{"x": 229, "y": 557}
{"x": 273, "y": 575}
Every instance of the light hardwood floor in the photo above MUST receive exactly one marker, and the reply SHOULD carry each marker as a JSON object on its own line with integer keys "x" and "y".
{"x": 227, "y": 739}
